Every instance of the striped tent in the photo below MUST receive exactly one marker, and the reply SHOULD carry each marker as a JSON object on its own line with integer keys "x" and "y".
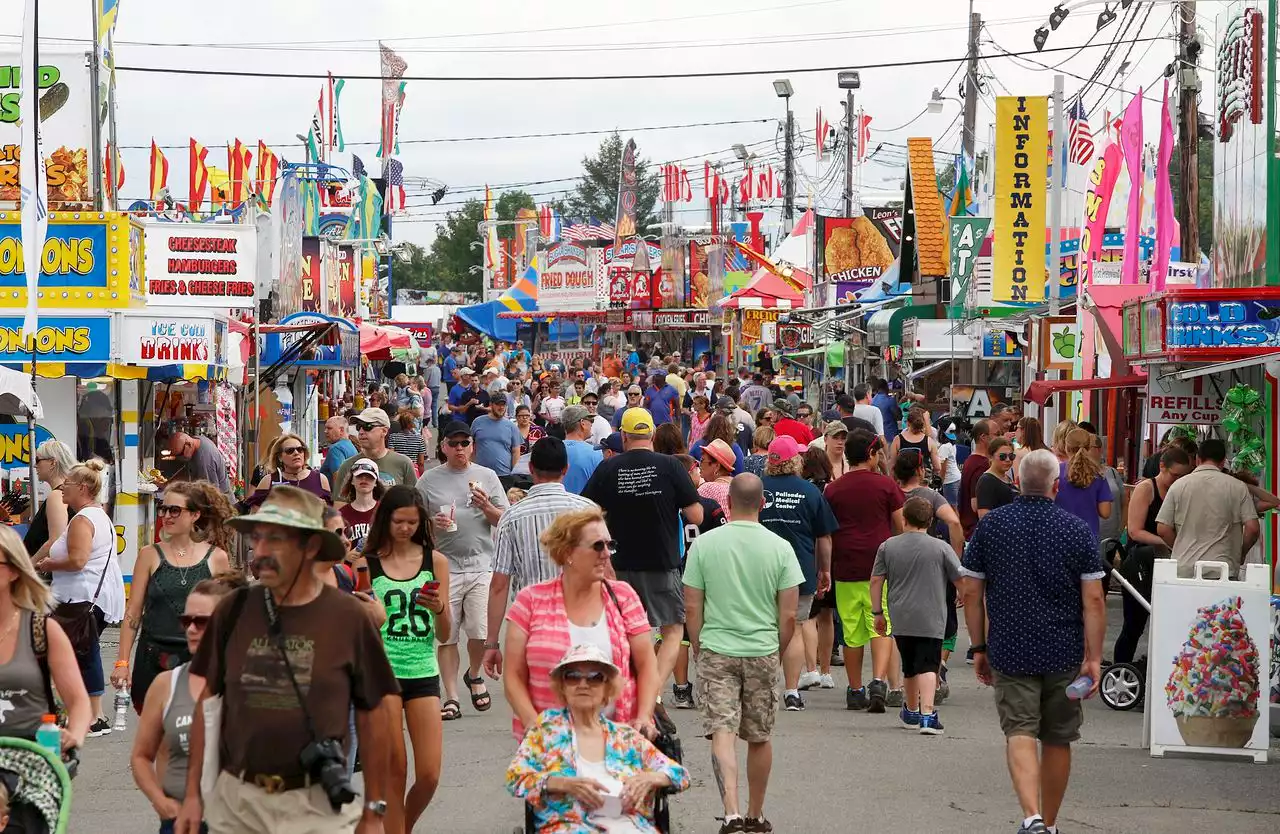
{"x": 522, "y": 296}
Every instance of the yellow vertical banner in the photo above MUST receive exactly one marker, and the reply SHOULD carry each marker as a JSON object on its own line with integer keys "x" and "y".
{"x": 1021, "y": 183}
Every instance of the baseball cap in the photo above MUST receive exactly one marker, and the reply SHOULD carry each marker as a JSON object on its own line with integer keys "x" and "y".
{"x": 950, "y": 433}
{"x": 454, "y": 428}
{"x": 637, "y": 421}
{"x": 613, "y": 443}
{"x": 466, "y": 372}
{"x": 364, "y": 466}
{"x": 572, "y": 415}
{"x": 782, "y": 405}
{"x": 490, "y": 370}
{"x": 371, "y": 417}
{"x": 835, "y": 427}
{"x": 721, "y": 452}
{"x": 726, "y": 404}
{"x": 783, "y": 448}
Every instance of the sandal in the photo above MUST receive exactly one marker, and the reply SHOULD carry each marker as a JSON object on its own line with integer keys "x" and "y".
{"x": 450, "y": 710}
{"x": 480, "y": 700}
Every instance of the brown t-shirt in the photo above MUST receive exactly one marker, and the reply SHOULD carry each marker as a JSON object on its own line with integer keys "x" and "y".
{"x": 974, "y": 466}
{"x": 336, "y": 655}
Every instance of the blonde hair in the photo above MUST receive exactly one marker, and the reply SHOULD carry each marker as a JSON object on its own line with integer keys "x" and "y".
{"x": 28, "y": 590}
{"x": 88, "y": 474}
{"x": 562, "y": 536}
{"x": 58, "y": 452}
{"x": 1060, "y": 433}
{"x": 794, "y": 466}
{"x": 1082, "y": 469}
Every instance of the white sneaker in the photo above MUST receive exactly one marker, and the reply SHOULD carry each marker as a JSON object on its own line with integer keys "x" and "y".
{"x": 826, "y": 682}
{"x": 808, "y": 680}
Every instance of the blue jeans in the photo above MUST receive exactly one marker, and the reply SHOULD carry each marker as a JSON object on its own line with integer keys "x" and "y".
{"x": 90, "y": 663}
{"x": 166, "y": 827}
{"x": 951, "y": 492}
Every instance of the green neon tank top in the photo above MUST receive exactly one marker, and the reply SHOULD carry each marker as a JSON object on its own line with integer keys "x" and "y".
{"x": 409, "y": 634}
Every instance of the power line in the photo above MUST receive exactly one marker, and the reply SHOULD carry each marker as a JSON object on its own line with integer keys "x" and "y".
{"x": 227, "y": 73}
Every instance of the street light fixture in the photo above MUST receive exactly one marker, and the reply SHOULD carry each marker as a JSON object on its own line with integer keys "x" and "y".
{"x": 849, "y": 80}
{"x": 782, "y": 87}
{"x": 740, "y": 151}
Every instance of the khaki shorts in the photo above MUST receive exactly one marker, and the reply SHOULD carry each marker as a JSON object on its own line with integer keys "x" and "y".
{"x": 1038, "y": 706}
{"x": 469, "y": 602}
{"x": 240, "y": 808}
{"x": 738, "y": 694}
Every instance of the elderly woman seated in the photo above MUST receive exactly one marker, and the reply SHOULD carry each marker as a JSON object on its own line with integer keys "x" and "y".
{"x": 581, "y": 772}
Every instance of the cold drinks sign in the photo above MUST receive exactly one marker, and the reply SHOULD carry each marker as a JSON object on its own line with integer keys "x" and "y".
{"x": 1182, "y": 401}
{"x": 204, "y": 266}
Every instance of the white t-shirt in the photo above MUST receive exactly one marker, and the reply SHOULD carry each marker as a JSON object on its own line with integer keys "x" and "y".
{"x": 81, "y": 585}
{"x": 947, "y": 458}
{"x": 871, "y": 414}
{"x": 551, "y": 408}
{"x": 600, "y": 429}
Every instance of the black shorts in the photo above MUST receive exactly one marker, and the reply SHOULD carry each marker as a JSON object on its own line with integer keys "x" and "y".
{"x": 920, "y": 655}
{"x": 413, "y": 688}
{"x": 661, "y": 593}
{"x": 827, "y": 601}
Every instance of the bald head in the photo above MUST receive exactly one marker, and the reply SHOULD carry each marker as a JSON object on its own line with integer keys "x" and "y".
{"x": 746, "y": 497}
{"x": 335, "y": 428}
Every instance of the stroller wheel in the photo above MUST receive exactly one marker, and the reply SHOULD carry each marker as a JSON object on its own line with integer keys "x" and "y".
{"x": 1123, "y": 686}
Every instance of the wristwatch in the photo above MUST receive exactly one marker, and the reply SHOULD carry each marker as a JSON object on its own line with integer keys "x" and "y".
{"x": 493, "y": 645}
{"x": 377, "y": 808}
{"x": 980, "y": 648}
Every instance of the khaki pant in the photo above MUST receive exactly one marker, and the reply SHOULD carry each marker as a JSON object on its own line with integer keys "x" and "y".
{"x": 240, "y": 808}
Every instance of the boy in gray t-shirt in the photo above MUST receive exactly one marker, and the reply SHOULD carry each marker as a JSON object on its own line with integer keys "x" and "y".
{"x": 917, "y": 568}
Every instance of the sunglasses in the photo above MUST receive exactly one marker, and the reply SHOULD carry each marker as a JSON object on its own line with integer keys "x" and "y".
{"x": 293, "y": 450}
{"x": 458, "y": 444}
{"x": 1006, "y": 455}
{"x": 197, "y": 620}
{"x": 602, "y": 545}
{"x": 593, "y": 676}
{"x": 170, "y": 509}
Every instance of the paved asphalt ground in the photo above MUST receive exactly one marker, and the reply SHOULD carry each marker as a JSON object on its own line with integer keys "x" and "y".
{"x": 834, "y": 771}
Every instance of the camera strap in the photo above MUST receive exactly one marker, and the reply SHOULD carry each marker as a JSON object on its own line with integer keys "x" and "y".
{"x": 276, "y": 633}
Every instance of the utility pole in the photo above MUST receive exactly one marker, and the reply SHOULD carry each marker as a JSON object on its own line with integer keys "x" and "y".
{"x": 848, "y": 153}
{"x": 1189, "y": 130}
{"x": 1055, "y": 198}
{"x": 971, "y": 84}
{"x": 789, "y": 193}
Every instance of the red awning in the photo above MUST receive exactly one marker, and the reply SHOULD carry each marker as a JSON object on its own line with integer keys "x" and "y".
{"x": 1042, "y": 389}
{"x": 767, "y": 287}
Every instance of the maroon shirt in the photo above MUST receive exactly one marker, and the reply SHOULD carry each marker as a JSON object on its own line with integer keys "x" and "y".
{"x": 974, "y": 466}
{"x": 864, "y": 503}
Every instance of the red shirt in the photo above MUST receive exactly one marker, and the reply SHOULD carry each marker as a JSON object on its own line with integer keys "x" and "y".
{"x": 974, "y": 466}
{"x": 802, "y": 434}
{"x": 864, "y": 503}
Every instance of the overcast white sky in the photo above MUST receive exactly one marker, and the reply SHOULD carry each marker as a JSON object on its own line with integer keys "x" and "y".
{"x": 517, "y": 37}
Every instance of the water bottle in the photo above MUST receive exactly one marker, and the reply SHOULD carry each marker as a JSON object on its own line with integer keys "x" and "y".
{"x": 122, "y": 709}
{"x": 1080, "y": 688}
{"x": 49, "y": 736}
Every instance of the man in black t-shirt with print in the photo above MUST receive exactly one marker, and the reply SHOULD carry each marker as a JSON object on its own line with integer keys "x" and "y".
{"x": 643, "y": 494}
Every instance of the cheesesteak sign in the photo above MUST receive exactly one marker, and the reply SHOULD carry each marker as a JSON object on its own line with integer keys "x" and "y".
{"x": 201, "y": 265}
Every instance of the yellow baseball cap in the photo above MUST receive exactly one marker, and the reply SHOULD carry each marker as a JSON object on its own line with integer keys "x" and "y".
{"x": 637, "y": 421}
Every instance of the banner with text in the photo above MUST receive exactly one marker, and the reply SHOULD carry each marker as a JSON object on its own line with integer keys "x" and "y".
{"x": 1021, "y": 163}
{"x": 66, "y": 131}
{"x": 210, "y": 265}
{"x": 568, "y": 282}
{"x": 967, "y": 236}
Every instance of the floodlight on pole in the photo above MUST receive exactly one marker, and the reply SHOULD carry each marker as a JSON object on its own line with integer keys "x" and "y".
{"x": 782, "y": 87}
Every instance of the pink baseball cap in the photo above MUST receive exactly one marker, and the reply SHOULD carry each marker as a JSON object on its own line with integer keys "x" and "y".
{"x": 783, "y": 448}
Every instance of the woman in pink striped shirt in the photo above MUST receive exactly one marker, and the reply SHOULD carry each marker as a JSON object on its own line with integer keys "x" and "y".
{"x": 579, "y": 607}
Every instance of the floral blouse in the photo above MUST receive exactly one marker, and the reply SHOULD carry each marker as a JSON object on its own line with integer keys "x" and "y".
{"x": 547, "y": 750}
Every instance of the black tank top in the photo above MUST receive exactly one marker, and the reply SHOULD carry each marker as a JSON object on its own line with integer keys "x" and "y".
{"x": 922, "y": 444}
{"x": 1157, "y": 501}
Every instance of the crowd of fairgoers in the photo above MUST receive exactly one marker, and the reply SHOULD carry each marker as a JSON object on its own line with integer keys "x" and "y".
{"x": 585, "y": 513}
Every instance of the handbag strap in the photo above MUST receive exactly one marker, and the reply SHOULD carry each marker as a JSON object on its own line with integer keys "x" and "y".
{"x": 276, "y": 633}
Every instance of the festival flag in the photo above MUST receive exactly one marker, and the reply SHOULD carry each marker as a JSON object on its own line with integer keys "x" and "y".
{"x": 357, "y": 167}
{"x": 239, "y": 158}
{"x": 32, "y": 181}
{"x": 492, "y": 254}
{"x": 864, "y": 135}
{"x": 1165, "y": 221}
{"x": 268, "y": 170}
{"x": 820, "y": 134}
{"x": 219, "y": 187}
{"x": 198, "y": 177}
{"x": 159, "y": 172}
{"x": 1131, "y": 144}
{"x": 625, "y": 223}
{"x": 339, "y": 144}
{"x": 107, "y": 11}
{"x": 1080, "y": 137}
{"x": 393, "y": 173}
{"x": 549, "y": 222}
{"x": 112, "y": 177}
{"x": 962, "y": 196}
{"x": 393, "y": 69}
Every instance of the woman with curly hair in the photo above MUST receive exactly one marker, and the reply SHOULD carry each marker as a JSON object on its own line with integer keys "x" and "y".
{"x": 193, "y": 518}
{"x": 720, "y": 427}
{"x": 1083, "y": 490}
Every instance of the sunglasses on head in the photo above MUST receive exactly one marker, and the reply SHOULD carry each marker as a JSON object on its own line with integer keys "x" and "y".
{"x": 602, "y": 545}
{"x": 170, "y": 509}
{"x": 592, "y": 676}
{"x": 197, "y": 620}
{"x": 1006, "y": 455}
{"x": 459, "y": 444}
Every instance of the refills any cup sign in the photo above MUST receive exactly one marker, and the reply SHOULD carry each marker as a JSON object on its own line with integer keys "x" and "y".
{"x": 1173, "y": 400}
{"x": 212, "y": 266}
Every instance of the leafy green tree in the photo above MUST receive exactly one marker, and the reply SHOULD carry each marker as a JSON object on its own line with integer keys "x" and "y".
{"x": 506, "y": 206}
{"x": 596, "y": 194}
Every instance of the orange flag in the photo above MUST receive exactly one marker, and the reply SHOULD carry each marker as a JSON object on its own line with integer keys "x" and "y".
{"x": 199, "y": 179}
{"x": 114, "y": 179}
{"x": 159, "y": 171}
{"x": 239, "y": 159}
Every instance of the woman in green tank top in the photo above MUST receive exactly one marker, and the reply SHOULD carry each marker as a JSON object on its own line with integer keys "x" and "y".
{"x": 402, "y": 561}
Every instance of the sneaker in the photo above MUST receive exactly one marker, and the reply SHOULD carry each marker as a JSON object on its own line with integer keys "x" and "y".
{"x": 930, "y": 725}
{"x": 942, "y": 673}
{"x": 808, "y": 680}
{"x": 793, "y": 703}
{"x": 1036, "y": 827}
{"x": 943, "y": 693}
{"x": 856, "y": 698}
{"x": 101, "y": 727}
{"x": 827, "y": 682}
{"x": 837, "y": 658}
{"x": 682, "y": 696}
{"x": 761, "y": 825}
{"x": 732, "y": 826}
{"x": 877, "y": 691}
{"x": 895, "y": 698}
{"x": 909, "y": 718}
{"x": 968, "y": 656}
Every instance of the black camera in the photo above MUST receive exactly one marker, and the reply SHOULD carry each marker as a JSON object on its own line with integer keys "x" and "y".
{"x": 326, "y": 764}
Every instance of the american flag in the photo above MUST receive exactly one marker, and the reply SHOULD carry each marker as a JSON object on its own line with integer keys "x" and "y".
{"x": 591, "y": 229}
{"x": 394, "y": 174}
{"x": 357, "y": 167}
{"x": 1080, "y": 138}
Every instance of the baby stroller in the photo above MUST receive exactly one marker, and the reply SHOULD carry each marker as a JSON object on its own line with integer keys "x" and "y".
{"x": 669, "y": 745}
{"x": 39, "y": 786}
{"x": 1124, "y": 685}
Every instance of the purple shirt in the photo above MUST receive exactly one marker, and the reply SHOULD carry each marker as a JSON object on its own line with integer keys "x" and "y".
{"x": 1083, "y": 502}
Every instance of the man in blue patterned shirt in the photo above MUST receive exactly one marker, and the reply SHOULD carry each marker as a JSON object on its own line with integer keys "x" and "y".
{"x": 1034, "y": 589}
